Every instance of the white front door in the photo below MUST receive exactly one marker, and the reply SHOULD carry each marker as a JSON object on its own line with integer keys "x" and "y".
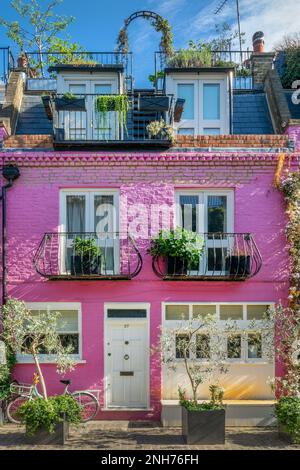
{"x": 127, "y": 363}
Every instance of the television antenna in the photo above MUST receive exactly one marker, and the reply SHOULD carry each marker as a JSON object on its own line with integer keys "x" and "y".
{"x": 219, "y": 9}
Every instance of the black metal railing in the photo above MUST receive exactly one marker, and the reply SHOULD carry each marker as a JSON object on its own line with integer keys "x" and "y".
{"x": 7, "y": 63}
{"x": 240, "y": 60}
{"x": 226, "y": 256}
{"x": 39, "y": 63}
{"x": 89, "y": 255}
{"x": 82, "y": 122}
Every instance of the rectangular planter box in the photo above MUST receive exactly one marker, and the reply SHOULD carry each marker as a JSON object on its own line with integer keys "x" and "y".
{"x": 43, "y": 437}
{"x": 175, "y": 266}
{"x": 154, "y": 103}
{"x": 203, "y": 427}
{"x": 81, "y": 265}
{"x": 66, "y": 104}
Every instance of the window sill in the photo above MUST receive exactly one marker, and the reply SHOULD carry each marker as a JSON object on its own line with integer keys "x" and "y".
{"x": 24, "y": 360}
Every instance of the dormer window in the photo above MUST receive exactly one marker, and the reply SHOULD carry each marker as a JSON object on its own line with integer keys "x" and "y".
{"x": 206, "y": 107}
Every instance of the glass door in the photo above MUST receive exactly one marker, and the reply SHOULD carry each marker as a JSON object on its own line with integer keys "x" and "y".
{"x": 105, "y": 124}
{"x": 75, "y": 122}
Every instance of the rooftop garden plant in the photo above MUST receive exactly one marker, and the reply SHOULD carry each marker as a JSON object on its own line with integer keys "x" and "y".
{"x": 196, "y": 55}
{"x": 160, "y": 130}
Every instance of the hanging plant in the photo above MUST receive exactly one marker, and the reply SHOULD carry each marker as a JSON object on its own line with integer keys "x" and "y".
{"x": 116, "y": 103}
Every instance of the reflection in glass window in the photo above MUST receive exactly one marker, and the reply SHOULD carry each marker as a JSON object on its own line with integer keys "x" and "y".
{"x": 256, "y": 312}
{"x": 216, "y": 213}
{"x": 182, "y": 346}
{"x": 211, "y": 131}
{"x": 186, "y": 91}
{"x": 186, "y": 131}
{"x": 202, "y": 346}
{"x": 254, "y": 346}
{"x": 235, "y": 312}
{"x": 177, "y": 312}
{"x": 234, "y": 346}
{"x": 189, "y": 211}
{"x": 203, "y": 310}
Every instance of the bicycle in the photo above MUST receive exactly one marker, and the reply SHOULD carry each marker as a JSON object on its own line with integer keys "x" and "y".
{"x": 88, "y": 402}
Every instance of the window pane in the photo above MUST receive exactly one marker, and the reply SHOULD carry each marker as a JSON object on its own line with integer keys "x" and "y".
{"x": 177, "y": 312}
{"x": 102, "y": 89}
{"x": 77, "y": 89}
{"x": 203, "y": 310}
{"x": 189, "y": 209}
{"x": 254, "y": 346}
{"x": 211, "y": 101}
{"x": 126, "y": 313}
{"x": 104, "y": 213}
{"x": 186, "y": 91}
{"x": 235, "y": 312}
{"x": 216, "y": 213}
{"x": 67, "y": 321}
{"x": 211, "y": 131}
{"x": 72, "y": 341}
{"x": 256, "y": 312}
{"x": 75, "y": 213}
{"x": 202, "y": 347}
{"x": 234, "y": 347}
{"x": 181, "y": 346}
{"x": 186, "y": 131}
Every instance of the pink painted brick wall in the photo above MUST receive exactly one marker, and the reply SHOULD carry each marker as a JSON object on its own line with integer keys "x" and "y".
{"x": 293, "y": 133}
{"x": 33, "y": 208}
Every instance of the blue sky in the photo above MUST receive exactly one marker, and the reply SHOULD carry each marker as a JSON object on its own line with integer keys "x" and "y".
{"x": 98, "y": 22}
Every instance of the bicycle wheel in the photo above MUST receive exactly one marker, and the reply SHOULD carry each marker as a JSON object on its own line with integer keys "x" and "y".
{"x": 89, "y": 404}
{"x": 12, "y": 409}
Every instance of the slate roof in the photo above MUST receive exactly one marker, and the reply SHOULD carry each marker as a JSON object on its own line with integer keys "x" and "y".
{"x": 294, "y": 108}
{"x": 251, "y": 114}
{"x": 32, "y": 118}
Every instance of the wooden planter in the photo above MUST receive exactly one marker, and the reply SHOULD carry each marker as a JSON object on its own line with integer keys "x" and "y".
{"x": 70, "y": 104}
{"x": 203, "y": 427}
{"x": 238, "y": 265}
{"x": 85, "y": 265}
{"x": 43, "y": 437}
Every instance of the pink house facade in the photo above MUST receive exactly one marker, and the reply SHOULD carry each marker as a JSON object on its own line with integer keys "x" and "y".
{"x": 114, "y": 313}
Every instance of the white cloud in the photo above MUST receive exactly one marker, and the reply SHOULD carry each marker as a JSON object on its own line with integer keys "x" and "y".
{"x": 274, "y": 17}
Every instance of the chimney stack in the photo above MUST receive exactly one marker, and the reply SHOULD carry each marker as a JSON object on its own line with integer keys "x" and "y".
{"x": 258, "y": 41}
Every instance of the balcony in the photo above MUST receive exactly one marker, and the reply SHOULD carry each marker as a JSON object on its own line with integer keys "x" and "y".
{"x": 226, "y": 257}
{"x": 88, "y": 256}
{"x": 79, "y": 122}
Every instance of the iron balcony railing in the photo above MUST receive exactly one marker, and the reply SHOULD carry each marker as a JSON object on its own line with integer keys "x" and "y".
{"x": 88, "y": 255}
{"x": 240, "y": 60}
{"x": 87, "y": 124}
{"x": 7, "y": 63}
{"x": 226, "y": 256}
{"x": 39, "y": 63}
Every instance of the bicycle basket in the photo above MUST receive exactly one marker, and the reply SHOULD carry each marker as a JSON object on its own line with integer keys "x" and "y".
{"x": 21, "y": 389}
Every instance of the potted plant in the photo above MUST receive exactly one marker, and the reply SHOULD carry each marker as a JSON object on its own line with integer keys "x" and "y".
{"x": 86, "y": 258}
{"x": 181, "y": 248}
{"x": 47, "y": 421}
{"x": 69, "y": 102}
{"x": 31, "y": 335}
{"x": 160, "y": 130}
{"x": 194, "y": 347}
{"x": 238, "y": 264}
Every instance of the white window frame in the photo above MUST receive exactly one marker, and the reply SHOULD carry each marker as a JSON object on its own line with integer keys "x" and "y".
{"x": 242, "y": 326}
{"x": 199, "y": 123}
{"x": 202, "y": 222}
{"x": 58, "y": 306}
{"x": 89, "y": 194}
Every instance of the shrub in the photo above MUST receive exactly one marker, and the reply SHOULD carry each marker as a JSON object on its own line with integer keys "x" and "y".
{"x": 287, "y": 411}
{"x": 46, "y": 414}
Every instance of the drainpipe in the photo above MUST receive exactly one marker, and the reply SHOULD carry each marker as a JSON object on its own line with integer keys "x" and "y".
{"x": 10, "y": 173}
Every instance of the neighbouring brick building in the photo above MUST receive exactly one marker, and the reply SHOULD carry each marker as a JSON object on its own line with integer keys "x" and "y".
{"x": 102, "y": 176}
